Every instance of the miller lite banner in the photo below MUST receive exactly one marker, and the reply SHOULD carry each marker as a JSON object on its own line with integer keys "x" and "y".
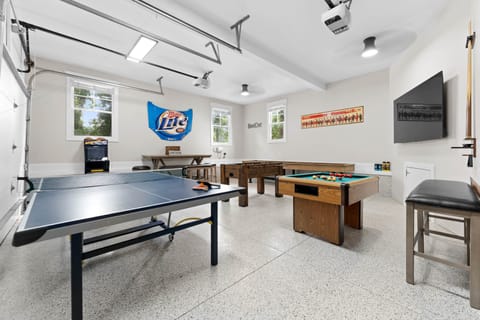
{"x": 167, "y": 124}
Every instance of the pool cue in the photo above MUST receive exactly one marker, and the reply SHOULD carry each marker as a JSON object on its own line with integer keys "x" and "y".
{"x": 470, "y": 141}
{"x": 470, "y": 40}
{"x": 468, "y": 133}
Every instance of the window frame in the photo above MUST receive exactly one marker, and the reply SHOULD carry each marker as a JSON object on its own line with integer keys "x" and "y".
{"x": 274, "y": 106}
{"x": 222, "y": 109}
{"x": 70, "y": 112}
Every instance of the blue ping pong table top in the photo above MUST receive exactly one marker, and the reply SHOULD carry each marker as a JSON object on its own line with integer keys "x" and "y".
{"x": 72, "y": 204}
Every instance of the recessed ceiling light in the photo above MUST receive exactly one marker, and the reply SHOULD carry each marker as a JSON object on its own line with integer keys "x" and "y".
{"x": 245, "y": 91}
{"x": 370, "y": 49}
{"x": 140, "y": 49}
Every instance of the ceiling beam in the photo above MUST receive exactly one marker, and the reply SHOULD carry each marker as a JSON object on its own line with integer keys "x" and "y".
{"x": 259, "y": 54}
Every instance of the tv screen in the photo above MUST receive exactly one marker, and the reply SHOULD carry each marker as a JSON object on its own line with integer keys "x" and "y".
{"x": 420, "y": 114}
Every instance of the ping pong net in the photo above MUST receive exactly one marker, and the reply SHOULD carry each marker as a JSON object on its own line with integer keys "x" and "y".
{"x": 98, "y": 180}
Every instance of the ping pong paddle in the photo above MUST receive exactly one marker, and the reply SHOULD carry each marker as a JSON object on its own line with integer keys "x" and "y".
{"x": 200, "y": 186}
{"x": 205, "y": 186}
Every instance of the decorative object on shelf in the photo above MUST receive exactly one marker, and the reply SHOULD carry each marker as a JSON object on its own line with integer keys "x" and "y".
{"x": 218, "y": 152}
{"x": 168, "y": 124}
{"x": 470, "y": 142}
{"x": 385, "y": 166}
{"x": 172, "y": 150}
{"x": 333, "y": 118}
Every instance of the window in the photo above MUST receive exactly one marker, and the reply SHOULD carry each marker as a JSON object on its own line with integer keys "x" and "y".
{"x": 92, "y": 110}
{"x": 221, "y": 127}
{"x": 276, "y": 121}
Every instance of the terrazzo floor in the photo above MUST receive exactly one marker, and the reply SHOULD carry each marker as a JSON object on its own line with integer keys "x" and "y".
{"x": 265, "y": 271}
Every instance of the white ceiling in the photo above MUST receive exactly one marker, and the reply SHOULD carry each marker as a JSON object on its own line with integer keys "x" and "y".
{"x": 286, "y": 48}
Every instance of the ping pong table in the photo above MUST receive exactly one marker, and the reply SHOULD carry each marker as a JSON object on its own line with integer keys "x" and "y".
{"x": 72, "y": 205}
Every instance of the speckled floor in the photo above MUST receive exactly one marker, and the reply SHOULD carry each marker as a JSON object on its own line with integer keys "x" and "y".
{"x": 265, "y": 271}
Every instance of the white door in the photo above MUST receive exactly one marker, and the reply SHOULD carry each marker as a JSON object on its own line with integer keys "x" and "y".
{"x": 414, "y": 174}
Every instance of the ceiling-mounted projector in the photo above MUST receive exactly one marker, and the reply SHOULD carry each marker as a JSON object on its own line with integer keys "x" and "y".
{"x": 203, "y": 82}
{"x": 337, "y": 18}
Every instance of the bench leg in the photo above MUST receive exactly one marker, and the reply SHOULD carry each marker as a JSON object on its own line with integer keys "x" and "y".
{"x": 467, "y": 238}
{"x": 421, "y": 242}
{"x": 426, "y": 223}
{"x": 410, "y": 274}
{"x": 475, "y": 262}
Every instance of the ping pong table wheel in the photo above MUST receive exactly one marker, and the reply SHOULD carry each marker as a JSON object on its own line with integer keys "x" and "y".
{"x": 171, "y": 236}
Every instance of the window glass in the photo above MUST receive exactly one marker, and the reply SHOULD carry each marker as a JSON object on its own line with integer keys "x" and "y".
{"x": 277, "y": 122}
{"x": 91, "y": 111}
{"x": 221, "y": 127}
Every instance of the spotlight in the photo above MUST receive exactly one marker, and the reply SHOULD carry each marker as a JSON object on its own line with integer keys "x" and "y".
{"x": 245, "y": 90}
{"x": 370, "y": 49}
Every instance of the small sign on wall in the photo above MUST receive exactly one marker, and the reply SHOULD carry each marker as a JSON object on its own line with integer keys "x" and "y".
{"x": 333, "y": 118}
{"x": 254, "y": 125}
{"x": 170, "y": 125}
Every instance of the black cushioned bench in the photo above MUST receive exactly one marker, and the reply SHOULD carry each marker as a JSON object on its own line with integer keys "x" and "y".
{"x": 455, "y": 201}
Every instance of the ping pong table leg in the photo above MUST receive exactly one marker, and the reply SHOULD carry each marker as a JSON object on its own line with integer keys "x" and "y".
{"x": 214, "y": 233}
{"x": 76, "y": 247}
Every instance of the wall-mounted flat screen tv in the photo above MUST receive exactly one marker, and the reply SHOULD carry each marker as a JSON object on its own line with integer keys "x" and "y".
{"x": 420, "y": 114}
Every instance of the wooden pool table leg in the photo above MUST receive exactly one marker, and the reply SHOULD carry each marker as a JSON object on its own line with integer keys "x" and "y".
{"x": 243, "y": 182}
{"x": 354, "y": 215}
{"x": 323, "y": 220}
{"x": 277, "y": 191}
{"x": 341, "y": 223}
{"x": 260, "y": 185}
{"x": 224, "y": 178}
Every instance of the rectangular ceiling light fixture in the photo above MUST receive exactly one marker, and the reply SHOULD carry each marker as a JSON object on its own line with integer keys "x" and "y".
{"x": 141, "y": 48}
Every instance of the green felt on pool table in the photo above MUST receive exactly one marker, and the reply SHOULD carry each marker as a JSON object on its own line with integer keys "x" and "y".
{"x": 355, "y": 177}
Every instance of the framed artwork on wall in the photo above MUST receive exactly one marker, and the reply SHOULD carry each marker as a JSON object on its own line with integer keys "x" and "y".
{"x": 333, "y": 118}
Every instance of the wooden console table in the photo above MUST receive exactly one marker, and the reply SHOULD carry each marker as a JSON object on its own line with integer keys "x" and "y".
{"x": 318, "y": 166}
{"x": 158, "y": 161}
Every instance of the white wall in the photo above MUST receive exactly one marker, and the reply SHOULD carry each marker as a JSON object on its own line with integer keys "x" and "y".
{"x": 370, "y": 141}
{"x": 442, "y": 47}
{"x": 12, "y": 121}
{"x": 51, "y": 153}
